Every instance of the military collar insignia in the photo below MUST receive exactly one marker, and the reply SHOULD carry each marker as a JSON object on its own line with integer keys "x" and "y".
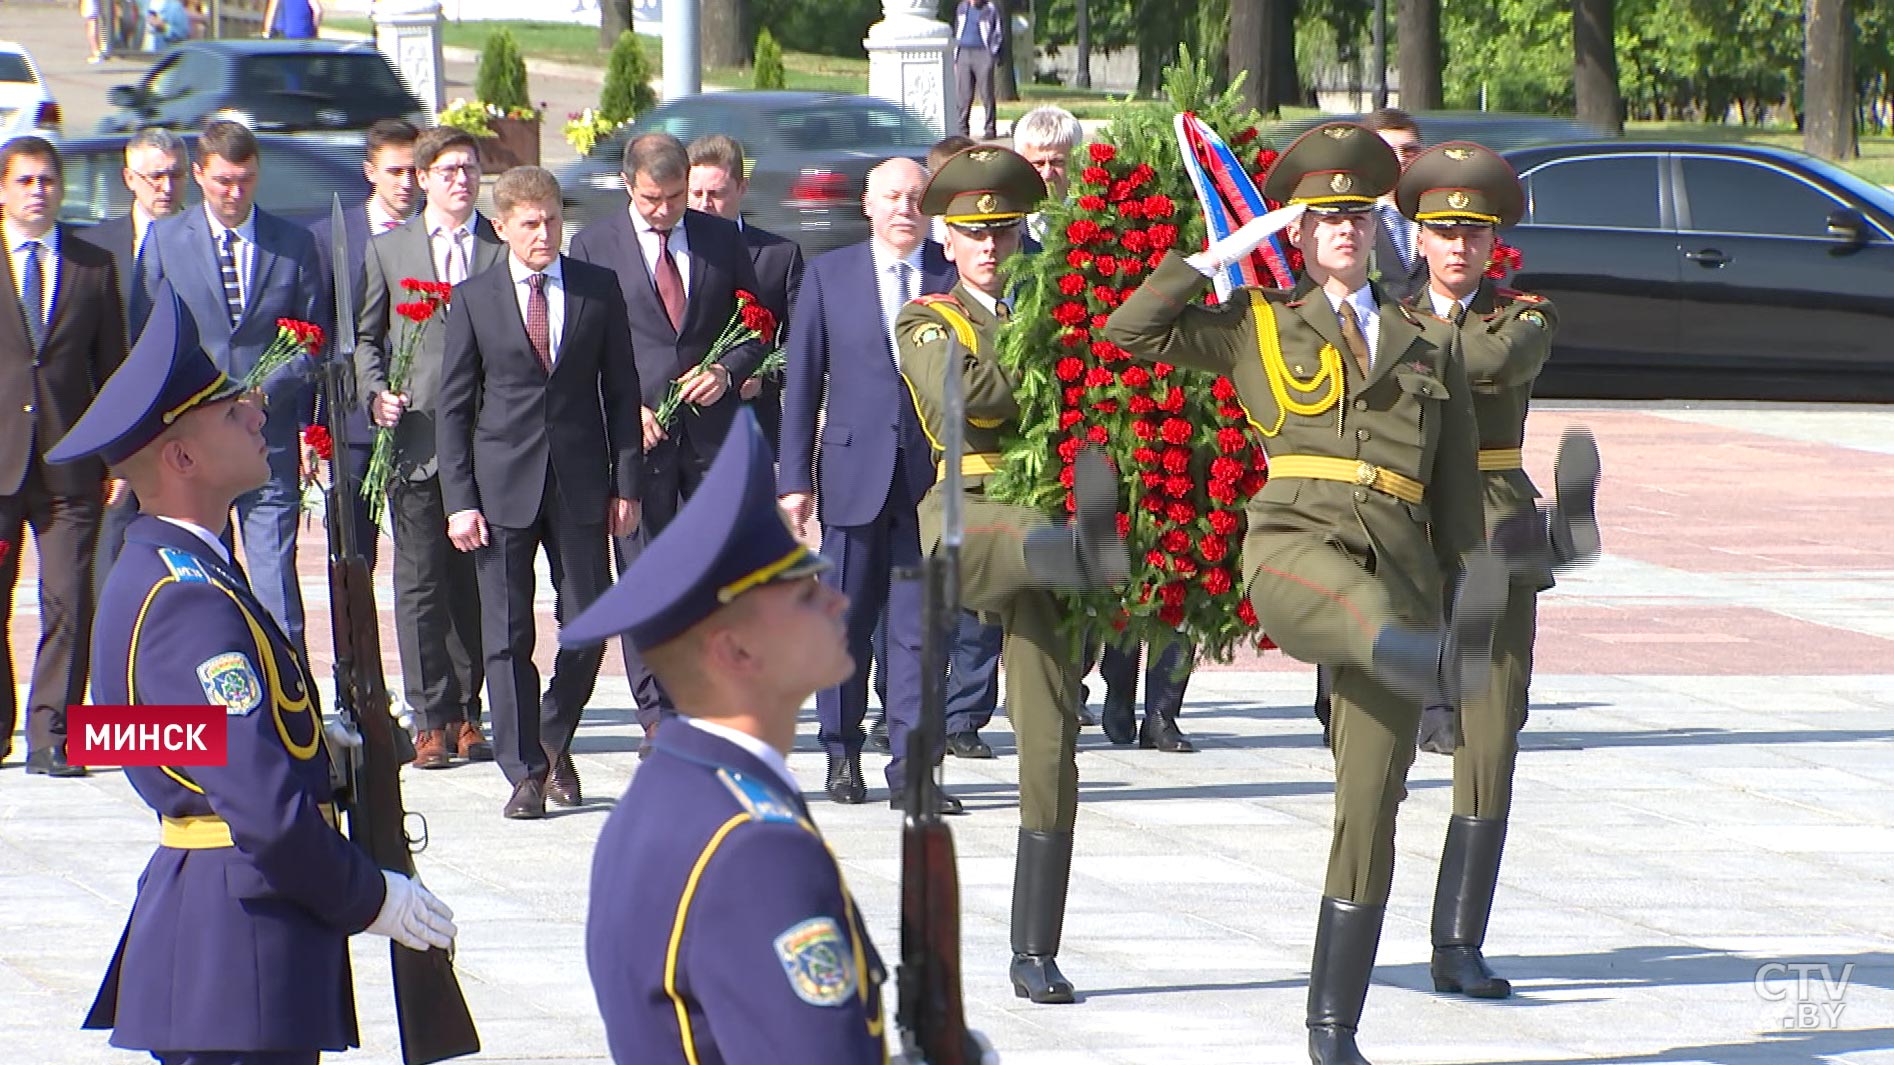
{"x": 184, "y": 566}
{"x": 756, "y": 797}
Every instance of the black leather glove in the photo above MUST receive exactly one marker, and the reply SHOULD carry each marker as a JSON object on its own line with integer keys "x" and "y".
{"x": 1439, "y": 729}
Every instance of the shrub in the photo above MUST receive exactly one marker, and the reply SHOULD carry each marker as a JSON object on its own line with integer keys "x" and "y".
{"x": 769, "y": 62}
{"x": 627, "y": 92}
{"x": 501, "y": 78}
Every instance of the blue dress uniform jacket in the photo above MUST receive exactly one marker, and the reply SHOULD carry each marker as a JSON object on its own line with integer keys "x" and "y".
{"x": 720, "y": 930}
{"x": 238, "y": 939}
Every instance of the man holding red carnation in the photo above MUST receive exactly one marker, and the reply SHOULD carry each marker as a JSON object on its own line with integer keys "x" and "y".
{"x": 1371, "y": 508}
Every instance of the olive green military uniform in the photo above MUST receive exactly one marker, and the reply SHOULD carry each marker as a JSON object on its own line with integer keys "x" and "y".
{"x": 1041, "y": 677}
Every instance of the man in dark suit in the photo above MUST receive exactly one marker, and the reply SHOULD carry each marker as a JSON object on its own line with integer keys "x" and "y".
{"x": 61, "y": 335}
{"x": 154, "y": 173}
{"x": 719, "y": 178}
{"x": 539, "y": 441}
{"x": 437, "y": 592}
{"x": 388, "y": 163}
{"x": 680, "y": 271}
{"x": 1398, "y": 263}
{"x": 238, "y": 269}
{"x": 875, "y": 461}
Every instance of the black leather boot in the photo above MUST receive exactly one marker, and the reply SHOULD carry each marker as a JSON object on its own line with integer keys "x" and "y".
{"x": 1437, "y": 668}
{"x": 1572, "y": 526}
{"x": 1346, "y": 936}
{"x": 1463, "y": 900}
{"x": 1086, "y": 552}
{"x": 1041, "y": 871}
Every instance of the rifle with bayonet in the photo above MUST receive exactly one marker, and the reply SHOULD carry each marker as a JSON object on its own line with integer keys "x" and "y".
{"x": 930, "y": 1017}
{"x": 429, "y": 1008}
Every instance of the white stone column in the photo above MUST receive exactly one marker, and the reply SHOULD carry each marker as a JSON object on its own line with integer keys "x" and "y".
{"x": 408, "y": 32}
{"x": 910, "y": 60}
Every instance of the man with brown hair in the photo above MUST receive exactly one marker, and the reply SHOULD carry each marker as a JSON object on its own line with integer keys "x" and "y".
{"x": 538, "y": 439}
{"x": 437, "y": 596}
{"x": 64, "y": 336}
{"x": 1397, "y": 262}
{"x": 238, "y": 269}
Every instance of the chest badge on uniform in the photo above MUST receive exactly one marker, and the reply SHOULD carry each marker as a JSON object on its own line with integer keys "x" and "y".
{"x": 1532, "y": 318}
{"x": 184, "y": 566}
{"x": 230, "y": 682}
{"x": 817, "y": 961}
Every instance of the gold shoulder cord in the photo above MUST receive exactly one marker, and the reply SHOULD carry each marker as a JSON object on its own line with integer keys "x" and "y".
{"x": 963, "y": 328}
{"x": 1303, "y": 398}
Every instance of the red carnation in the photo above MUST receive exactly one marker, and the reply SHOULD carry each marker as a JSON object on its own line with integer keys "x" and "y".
{"x": 1181, "y": 513}
{"x": 744, "y": 296}
{"x": 1243, "y": 136}
{"x": 1137, "y": 377}
{"x": 1234, "y": 412}
{"x": 1266, "y": 158}
{"x": 1104, "y": 350}
{"x": 1071, "y": 284}
{"x": 1095, "y": 175}
{"x": 1184, "y": 566}
{"x": 1124, "y": 525}
{"x": 1078, "y": 259}
{"x": 1223, "y": 389}
{"x": 1072, "y": 337}
{"x": 1120, "y": 191}
{"x": 1159, "y": 206}
{"x": 1173, "y": 400}
{"x": 440, "y": 290}
{"x": 1176, "y": 542}
{"x": 1154, "y": 259}
{"x": 1105, "y": 406}
{"x": 1069, "y": 313}
{"x": 1246, "y": 613}
{"x": 1156, "y": 560}
{"x": 1177, "y": 460}
{"x": 1176, "y": 431}
{"x": 1231, "y": 441}
{"x": 316, "y": 438}
{"x": 1144, "y": 456}
{"x": 1097, "y": 377}
{"x": 1224, "y": 469}
{"x": 1097, "y": 434}
{"x": 1105, "y": 294}
{"x": 1258, "y": 460}
{"x": 1145, "y": 430}
{"x": 1222, "y": 492}
{"x": 1224, "y": 522}
{"x": 1131, "y": 267}
{"x": 1132, "y": 210}
{"x": 1213, "y": 548}
{"x": 1103, "y": 153}
{"x": 1153, "y": 481}
{"x": 1074, "y": 395}
{"x": 1161, "y": 370}
{"x": 1136, "y": 241}
{"x": 1171, "y": 615}
{"x": 1216, "y": 581}
{"x": 1098, "y": 321}
{"x": 418, "y": 311}
{"x": 1162, "y": 236}
{"x": 1172, "y": 594}
{"x": 1071, "y": 503}
{"x": 1178, "y": 487}
{"x": 1083, "y": 231}
{"x": 1153, "y": 503}
{"x": 1141, "y": 175}
{"x": 1068, "y": 369}
{"x": 1066, "y": 476}
{"x": 1069, "y": 418}
{"x": 411, "y": 284}
{"x": 1107, "y": 265}
{"x": 1140, "y": 403}
{"x": 1091, "y": 203}
{"x": 1252, "y": 484}
{"x": 1069, "y": 449}
{"x": 758, "y": 318}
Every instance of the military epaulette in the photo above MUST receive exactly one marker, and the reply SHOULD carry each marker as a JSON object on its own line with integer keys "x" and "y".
{"x": 184, "y": 566}
{"x": 756, "y": 797}
{"x": 1522, "y": 297}
{"x": 939, "y": 297}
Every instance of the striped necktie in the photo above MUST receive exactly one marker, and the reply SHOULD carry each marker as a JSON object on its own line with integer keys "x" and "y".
{"x": 233, "y": 285}
{"x": 33, "y": 294}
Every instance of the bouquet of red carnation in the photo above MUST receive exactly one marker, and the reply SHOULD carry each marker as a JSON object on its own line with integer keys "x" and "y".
{"x": 752, "y": 321}
{"x": 293, "y": 338}
{"x": 1506, "y": 259}
{"x": 433, "y": 297}
{"x": 318, "y": 448}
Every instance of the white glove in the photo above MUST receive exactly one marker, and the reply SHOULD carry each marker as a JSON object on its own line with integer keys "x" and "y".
{"x": 1245, "y": 240}
{"x": 411, "y": 915}
{"x": 341, "y": 734}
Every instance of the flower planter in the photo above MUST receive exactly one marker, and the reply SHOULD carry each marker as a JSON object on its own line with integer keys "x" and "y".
{"x": 515, "y": 142}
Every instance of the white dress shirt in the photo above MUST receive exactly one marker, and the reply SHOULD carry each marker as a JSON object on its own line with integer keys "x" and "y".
{"x": 1443, "y": 307}
{"x": 762, "y": 752}
{"x": 888, "y": 285}
{"x": 141, "y": 225}
{"x": 379, "y": 220}
{"x": 217, "y": 546}
{"x": 992, "y": 305}
{"x": 444, "y": 237}
{"x": 1367, "y": 314}
{"x": 555, "y": 298}
{"x": 679, "y": 246}
{"x": 48, "y": 266}
{"x": 245, "y": 251}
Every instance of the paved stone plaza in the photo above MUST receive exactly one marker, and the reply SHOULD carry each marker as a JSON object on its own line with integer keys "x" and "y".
{"x": 1701, "y": 856}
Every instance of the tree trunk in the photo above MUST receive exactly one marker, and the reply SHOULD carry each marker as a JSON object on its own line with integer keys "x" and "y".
{"x": 1082, "y": 13}
{"x": 720, "y": 26}
{"x": 1005, "y": 86}
{"x": 1417, "y": 27}
{"x": 614, "y": 18}
{"x": 1378, "y": 54}
{"x": 1246, "y": 50}
{"x": 1595, "y": 66}
{"x": 1828, "y": 97}
{"x": 1282, "y": 82}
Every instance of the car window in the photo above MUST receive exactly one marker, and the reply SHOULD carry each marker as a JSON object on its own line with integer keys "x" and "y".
{"x": 95, "y": 188}
{"x": 13, "y": 67}
{"x": 182, "y": 74}
{"x": 1724, "y": 195}
{"x": 1600, "y": 192}
{"x": 686, "y": 121}
{"x": 327, "y": 75}
{"x": 850, "y": 125}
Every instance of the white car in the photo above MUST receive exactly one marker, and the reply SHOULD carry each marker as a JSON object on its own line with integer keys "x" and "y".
{"x": 26, "y": 104}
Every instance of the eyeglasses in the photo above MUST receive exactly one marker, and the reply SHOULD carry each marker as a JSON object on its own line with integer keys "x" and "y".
{"x": 160, "y": 177}
{"x": 466, "y": 170}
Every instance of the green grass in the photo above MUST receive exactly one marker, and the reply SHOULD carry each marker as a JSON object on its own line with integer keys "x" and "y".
{"x": 803, "y": 71}
{"x": 561, "y": 42}
{"x": 1876, "y": 162}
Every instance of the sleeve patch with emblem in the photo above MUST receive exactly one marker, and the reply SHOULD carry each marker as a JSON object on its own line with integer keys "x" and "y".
{"x": 230, "y": 682}
{"x": 1532, "y": 318}
{"x": 927, "y": 333}
{"x": 183, "y": 565}
{"x": 818, "y": 962}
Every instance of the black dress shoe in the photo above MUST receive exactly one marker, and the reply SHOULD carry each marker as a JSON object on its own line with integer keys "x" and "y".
{"x": 562, "y": 782}
{"x": 949, "y": 806}
{"x": 878, "y": 735}
{"x": 1086, "y": 717}
{"x": 1120, "y": 719}
{"x": 967, "y": 745}
{"x": 52, "y": 762}
{"x": 1161, "y": 733}
{"x": 528, "y": 802}
{"x": 845, "y": 781}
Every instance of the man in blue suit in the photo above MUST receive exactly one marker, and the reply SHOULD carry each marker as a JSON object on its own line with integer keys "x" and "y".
{"x": 239, "y": 269}
{"x": 875, "y": 462}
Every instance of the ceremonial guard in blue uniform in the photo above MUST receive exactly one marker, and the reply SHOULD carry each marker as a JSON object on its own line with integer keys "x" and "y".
{"x": 236, "y": 952}
{"x": 720, "y": 929}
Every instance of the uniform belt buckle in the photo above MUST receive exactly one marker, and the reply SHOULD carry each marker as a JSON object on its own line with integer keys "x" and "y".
{"x": 1366, "y": 474}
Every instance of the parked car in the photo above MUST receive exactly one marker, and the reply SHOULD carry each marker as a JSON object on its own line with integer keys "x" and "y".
{"x": 809, "y": 155}
{"x": 1697, "y": 270}
{"x": 26, "y": 104}
{"x": 268, "y": 85}
{"x": 1498, "y": 130}
{"x": 301, "y": 175}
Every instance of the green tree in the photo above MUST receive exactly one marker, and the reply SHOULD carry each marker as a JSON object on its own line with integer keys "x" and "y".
{"x": 769, "y": 63}
{"x": 627, "y": 92}
{"x": 500, "y": 79}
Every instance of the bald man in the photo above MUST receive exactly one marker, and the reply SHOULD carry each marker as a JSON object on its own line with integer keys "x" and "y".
{"x": 876, "y": 462}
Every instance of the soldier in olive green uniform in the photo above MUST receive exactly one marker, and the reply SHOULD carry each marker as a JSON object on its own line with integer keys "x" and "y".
{"x": 1011, "y": 556}
{"x": 1461, "y": 194}
{"x": 1372, "y": 508}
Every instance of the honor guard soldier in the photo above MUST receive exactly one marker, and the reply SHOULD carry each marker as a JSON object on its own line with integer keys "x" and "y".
{"x": 1372, "y": 507}
{"x": 720, "y": 929}
{"x": 1460, "y": 195}
{"x": 1012, "y": 557}
{"x": 236, "y": 952}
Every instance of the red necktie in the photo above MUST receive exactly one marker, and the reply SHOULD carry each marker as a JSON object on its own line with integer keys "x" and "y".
{"x": 539, "y": 321}
{"x": 670, "y": 282}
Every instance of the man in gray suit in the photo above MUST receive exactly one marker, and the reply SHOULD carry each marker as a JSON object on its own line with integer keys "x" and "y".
{"x": 1398, "y": 263}
{"x": 437, "y": 593}
{"x": 238, "y": 269}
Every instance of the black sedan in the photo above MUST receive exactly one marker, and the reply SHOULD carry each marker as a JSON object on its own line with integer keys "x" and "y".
{"x": 809, "y": 155}
{"x": 275, "y": 86}
{"x": 301, "y": 175}
{"x": 1708, "y": 271}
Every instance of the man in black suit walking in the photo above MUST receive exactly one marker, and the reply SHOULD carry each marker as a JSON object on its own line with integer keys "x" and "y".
{"x": 719, "y": 178}
{"x": 538, "y": 437}
{"x": 154, "y": 172}
{"x": 680, "y": 271}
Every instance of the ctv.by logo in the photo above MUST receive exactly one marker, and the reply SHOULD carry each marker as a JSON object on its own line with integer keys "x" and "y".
{"x": 1812, "y": 993}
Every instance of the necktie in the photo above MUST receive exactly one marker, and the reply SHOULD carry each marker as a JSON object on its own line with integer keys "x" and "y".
{"x": 670, "y": 282}
{"x": 539, "y": 321}
{"x": 1399, "y": 235}
{"x": 1002, "y": 310}
{"x": 905, "y": 272}
{"x": 33, "y": 294}
{"x": 233, "y": 286}
{"x": 903, "y": 294}
{"x": 389, "y": 223}
{"x": 453, "y": 258}
{"x": 1458, "y": 314}
{"x": 1352, "y": 336}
